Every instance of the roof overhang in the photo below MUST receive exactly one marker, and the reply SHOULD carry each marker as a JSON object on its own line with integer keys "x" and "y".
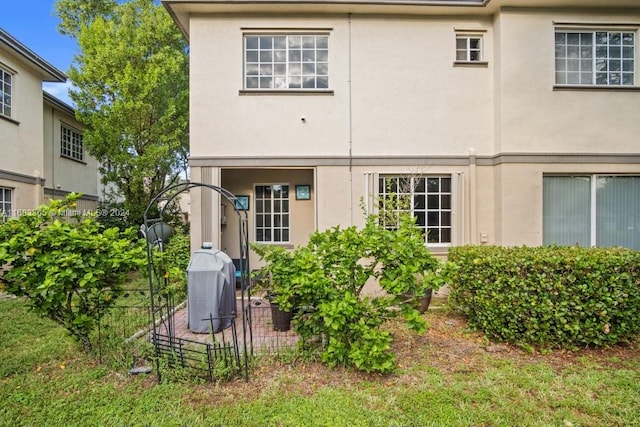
{"x": 50, "y": 73}
{"x": 182, "y": 10}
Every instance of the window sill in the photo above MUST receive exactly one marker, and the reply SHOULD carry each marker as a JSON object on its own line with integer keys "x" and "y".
{"x": 287, "y": 92}
{"x": 9, "y": 119}
{"x": 471, "y": 64}
{"x": 596, "y": 88}
{"x": 82, "y": 162}
{"x": 282, "y": 245}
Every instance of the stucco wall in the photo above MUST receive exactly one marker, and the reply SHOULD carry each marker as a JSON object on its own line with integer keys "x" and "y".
{"x": 22, "y": 137}
{"x": 62, "y": 173}
{"x": 537, "y": 118}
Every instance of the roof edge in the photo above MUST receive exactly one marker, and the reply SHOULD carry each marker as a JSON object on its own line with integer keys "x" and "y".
{"x": 58, "y": 103}
{"x": 55, "y": 74}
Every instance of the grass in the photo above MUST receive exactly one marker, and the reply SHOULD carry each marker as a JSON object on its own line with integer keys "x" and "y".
{"x": 445, "y": 378}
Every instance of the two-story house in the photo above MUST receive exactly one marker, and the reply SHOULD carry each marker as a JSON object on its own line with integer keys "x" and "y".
{"x": 510, "y": 122}
{"x": 43, "y": 154}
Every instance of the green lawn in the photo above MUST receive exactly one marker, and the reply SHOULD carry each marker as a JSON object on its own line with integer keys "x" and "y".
{"x": 46, "y": 380}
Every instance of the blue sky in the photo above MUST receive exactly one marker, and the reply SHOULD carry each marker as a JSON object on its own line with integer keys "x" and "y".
{"x": 33, "y": 23}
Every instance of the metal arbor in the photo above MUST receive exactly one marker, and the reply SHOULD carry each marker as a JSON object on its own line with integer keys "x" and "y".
{"x": 204, "y": 359}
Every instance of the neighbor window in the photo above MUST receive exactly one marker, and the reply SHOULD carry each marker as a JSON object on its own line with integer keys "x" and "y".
{"x": 6, "y": 202}
{"x": 468, "y": 48}
{"x": 272, "y": 213}
{"x": 600, "y": 58}
{"x": 592, "y": 210}
{"x": 70, "y": 143}
{"x": 6, "y": 90}
{"x": 428, "y": 199}
{"x": 286, "y": 62}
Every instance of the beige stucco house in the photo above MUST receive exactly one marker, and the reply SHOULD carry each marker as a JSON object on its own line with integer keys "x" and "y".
{"x": 510, "y": 122}
{"x": 43, "y": 154}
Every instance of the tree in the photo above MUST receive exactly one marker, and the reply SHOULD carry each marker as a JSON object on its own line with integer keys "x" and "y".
{"x": 74, "y": 14}
{"x": 131, "y": 91}
{"x": 69, "y": 269}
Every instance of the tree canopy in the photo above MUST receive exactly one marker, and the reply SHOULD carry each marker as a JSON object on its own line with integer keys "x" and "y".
{"x": 130, "y": 82}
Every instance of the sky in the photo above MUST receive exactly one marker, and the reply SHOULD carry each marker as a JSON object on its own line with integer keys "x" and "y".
{"x": 32, "y": 23}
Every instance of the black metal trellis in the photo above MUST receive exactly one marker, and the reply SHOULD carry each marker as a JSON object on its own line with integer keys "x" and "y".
{"x": 163, "y": 308}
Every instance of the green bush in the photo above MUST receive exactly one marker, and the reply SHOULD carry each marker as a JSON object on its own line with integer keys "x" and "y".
{"x": 324, "y": 281}
{"x": 548, "y": 296}
{"x": 70, "y": 270}
{"x": 173, "y": 263}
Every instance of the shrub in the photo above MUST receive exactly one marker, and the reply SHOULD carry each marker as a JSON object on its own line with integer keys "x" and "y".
{"x": 324, "y": 281}
{"x": 71, "y": 271}
{"x": 173, "y": 263}
{"x": 548, "y": 296}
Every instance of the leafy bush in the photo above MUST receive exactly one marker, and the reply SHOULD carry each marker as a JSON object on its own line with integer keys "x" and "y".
{"x": 71, "y": 271}
{"x": 324, "y": 280}
{"x": 548, "y": 296}
{"x": 173, "y": 263}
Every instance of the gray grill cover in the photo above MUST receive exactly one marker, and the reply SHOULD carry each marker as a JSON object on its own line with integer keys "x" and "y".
{"x": 210, "y": 291}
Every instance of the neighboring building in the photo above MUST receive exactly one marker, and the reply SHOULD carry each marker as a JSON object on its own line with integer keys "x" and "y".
{"x": 511, "y": 122}
{"x": 68, "y": 167}
{"x": 43, "y": 155}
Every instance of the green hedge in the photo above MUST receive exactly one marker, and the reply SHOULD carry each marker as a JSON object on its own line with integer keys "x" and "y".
{"x": 548, "y": 296}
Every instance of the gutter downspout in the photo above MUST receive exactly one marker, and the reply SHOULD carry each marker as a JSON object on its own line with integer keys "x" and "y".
{"x": 53, "y": 153}
{"x": 350, "y": 125}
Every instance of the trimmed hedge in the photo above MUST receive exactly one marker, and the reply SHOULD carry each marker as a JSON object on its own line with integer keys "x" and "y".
{"x": 564, "y": 297}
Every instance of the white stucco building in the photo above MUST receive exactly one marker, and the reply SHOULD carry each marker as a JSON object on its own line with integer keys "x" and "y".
{"x": 511, "y": 122}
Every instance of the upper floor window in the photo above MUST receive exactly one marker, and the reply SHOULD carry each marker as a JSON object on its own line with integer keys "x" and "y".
{"x": 272, "y": 213}
{"x": 6, "y": 202}
{"x": 6, "y": 90}
{"x": 468, "y": 48}
{"x": 428, "y": 199}
{"x": 70, "y": 143}
{"x": 287, "y": 62}
{"x": 600, "y": 58}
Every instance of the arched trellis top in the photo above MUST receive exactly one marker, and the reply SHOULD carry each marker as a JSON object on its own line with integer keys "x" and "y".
{"x": 176, "y": 189}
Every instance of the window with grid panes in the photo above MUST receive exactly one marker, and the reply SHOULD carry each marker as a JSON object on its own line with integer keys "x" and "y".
{"x": 288, "y": 62}
{"x": 70, "y": 143}
{"x": 428, "y": 199}
{"x": 6, "y": 90}
{"x": 468, "y": 48}
{"x": 598, "y": 58}
{"x": 6, "y": 202}
{"x": 272, "y": 213}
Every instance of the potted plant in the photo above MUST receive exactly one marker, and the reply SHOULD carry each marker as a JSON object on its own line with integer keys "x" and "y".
{"x": 280, "y": 315}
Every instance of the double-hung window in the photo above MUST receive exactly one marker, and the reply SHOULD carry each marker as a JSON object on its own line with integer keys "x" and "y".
{"x": 71, "y": 143}
{"x": 592, "y": 210}
{"x": 6, "y": 202}
{"x": 595, "y": 58}
{"x": 427, "y": 198}
{"x": 272, "y": 213}
{"x": 6, "y": 91}
{"x": 286, "y": 62}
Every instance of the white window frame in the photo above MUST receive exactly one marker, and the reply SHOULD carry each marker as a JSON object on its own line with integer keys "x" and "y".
{"x": 443, "y": 210}
{"x": 283, "y": 215}
{"x": 6, "y": 206}
{"x": 465, "y": 47}
{"x": 71, "y": 143}
{"x": 299, "y": 62}
{"x": 580, "y": 57}
{"x": 6, "y": 92}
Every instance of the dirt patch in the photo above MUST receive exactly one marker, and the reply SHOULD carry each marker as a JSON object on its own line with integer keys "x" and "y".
{"x": 447, "y": 348}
